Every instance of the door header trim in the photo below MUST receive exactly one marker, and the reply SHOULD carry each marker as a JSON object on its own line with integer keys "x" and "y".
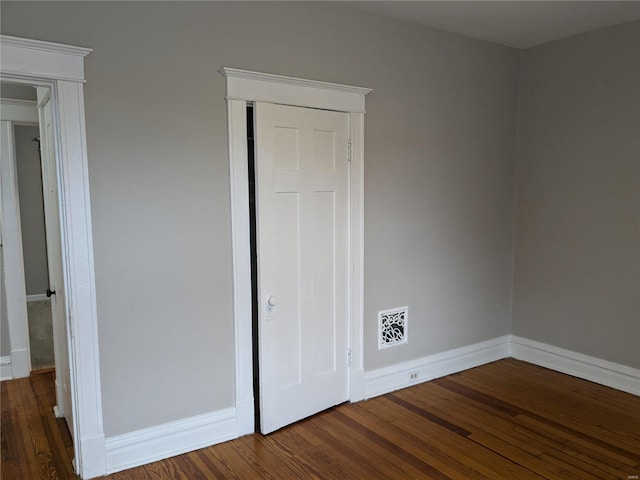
{"x": 34, "y": 58}
{"x": 266, "y": 87}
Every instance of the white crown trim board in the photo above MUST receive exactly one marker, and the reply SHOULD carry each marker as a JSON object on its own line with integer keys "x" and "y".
{"x": 578, "y": 365}
{"x": 174, "y": 438}
{"x": 35, "y": 58}
{"x": 265, "y": 87}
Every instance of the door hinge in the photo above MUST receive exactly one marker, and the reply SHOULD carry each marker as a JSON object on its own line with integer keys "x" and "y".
{"x": 349, "y": 150}
{"x": 349, "y": 357}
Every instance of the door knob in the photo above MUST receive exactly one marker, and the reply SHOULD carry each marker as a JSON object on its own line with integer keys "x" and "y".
{"x": 50, "y": 292}
{"x": 273, "y": 301}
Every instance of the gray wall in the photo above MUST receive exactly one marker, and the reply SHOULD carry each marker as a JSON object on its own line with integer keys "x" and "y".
{"x": 34, "y": 243}
{"x": 577, "y": 273}
{"x": 439, "y": 141}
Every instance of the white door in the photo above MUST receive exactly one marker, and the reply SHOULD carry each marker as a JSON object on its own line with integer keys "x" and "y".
{"x": 54, "y": 258}
{"x": 303, "y": 261}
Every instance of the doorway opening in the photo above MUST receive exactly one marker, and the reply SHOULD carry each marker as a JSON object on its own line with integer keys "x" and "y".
{"x": 34, "y": 246}
{"x": 35, "y": 317}
{"x": 19, "y": 103}
{"x": 22, "y": 135}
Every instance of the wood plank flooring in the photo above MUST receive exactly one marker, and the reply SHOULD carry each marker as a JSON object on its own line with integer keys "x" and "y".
{"x": 507, "y": 420}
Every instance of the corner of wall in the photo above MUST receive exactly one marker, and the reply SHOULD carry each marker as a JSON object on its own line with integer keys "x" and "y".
{"x": 516, "y": 158}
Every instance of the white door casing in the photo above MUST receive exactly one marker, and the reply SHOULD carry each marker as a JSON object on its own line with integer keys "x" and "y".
{"x": 54, "y": 257}
{"x": 246, "y": 86}
{"x": 302, "y": 224}
{"x": 61, "y": 68}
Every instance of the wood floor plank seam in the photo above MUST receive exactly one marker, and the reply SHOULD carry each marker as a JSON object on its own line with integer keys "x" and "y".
{"x": 437, "y": 455}
{"x": 512, "y": 437}
{"x": 501, "y": 405}
{"x": 519, "y": 430}
{"x": 349, "y": 443}
{"x": 435, "y": 474}
{"x": 434, "y": 418}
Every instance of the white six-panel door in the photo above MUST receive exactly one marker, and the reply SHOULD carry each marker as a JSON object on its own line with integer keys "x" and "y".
{"x": 303, "y": 264}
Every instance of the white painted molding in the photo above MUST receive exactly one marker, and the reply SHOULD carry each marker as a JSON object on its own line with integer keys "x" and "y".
{"x": 578, "y": 365}
{"x": 266, "y": 87}
{"x": 245, "y": 417}
{"x": 356, "y": 385}
{"x": 241, "y": 256}
{"x": 356, "y": 256}
{"x": 20, "y": 362}
{"x": 5, "y": 368}
{"x": 61, "y": 68}
{"x": 37, "y": 297}
{"x": 163, "y": 441}
{"x": 18, "y": 111}
{"x": 37, "y": 59}
{"x": 395, "y": 377}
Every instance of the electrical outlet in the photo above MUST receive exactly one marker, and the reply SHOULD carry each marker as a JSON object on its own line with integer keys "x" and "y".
{"x": 413, "y": 376}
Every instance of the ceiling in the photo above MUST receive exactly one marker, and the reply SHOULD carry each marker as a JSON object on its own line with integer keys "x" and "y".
{"x": 519, "y": 24}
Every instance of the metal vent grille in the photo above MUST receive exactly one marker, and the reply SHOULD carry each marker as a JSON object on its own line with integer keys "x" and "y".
{"x": 392, "y": 327}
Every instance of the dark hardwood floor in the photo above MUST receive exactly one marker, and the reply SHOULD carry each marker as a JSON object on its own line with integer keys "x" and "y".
{"x": 507, "y": 420}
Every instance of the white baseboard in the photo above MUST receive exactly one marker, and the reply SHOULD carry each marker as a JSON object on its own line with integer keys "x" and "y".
{"x": 20, "y": 363}
{"x": 388, "y": 379}
{"x": 578, "y": 365}
{"x": 245, "y": 417}
{"x": 6, "y": 372}
{"x": 93, "y": 457}
{"x": 163, "y": 441}
{"x": 356, "y": 386}
{"x": 37, "y": 297}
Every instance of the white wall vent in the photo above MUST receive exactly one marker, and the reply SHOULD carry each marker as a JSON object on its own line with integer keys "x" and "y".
{"x": 392, "y": 327}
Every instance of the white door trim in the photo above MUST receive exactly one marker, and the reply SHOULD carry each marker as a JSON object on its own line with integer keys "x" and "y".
{"x": 61, "y": 68}
{"x": 243, "y": 86}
